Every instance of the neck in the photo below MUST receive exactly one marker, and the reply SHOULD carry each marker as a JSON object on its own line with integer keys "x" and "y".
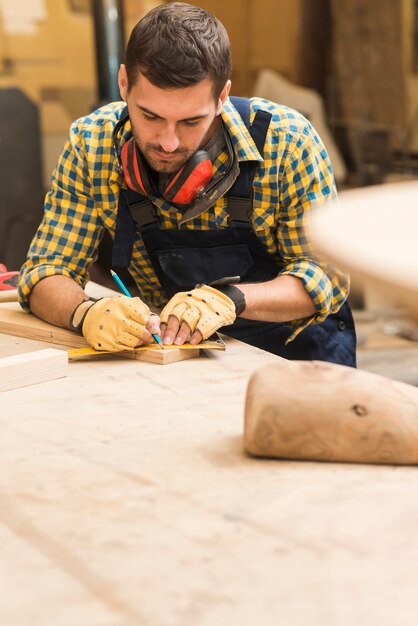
{"x": 211, "y": 131}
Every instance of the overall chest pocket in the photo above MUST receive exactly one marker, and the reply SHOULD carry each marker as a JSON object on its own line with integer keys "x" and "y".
{"x": 190, "y": 266}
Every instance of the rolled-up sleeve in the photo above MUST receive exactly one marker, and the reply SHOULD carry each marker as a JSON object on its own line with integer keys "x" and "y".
{"x": 67, "y": 239}
{"x": 307, "y": 183}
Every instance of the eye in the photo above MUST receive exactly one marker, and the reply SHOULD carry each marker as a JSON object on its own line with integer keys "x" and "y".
{"x": 149, "y": 118}
{"x": 192, "y": 123}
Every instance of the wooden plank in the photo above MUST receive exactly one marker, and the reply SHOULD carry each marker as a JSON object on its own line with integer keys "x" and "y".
{"x": 8, "y": 295}
{"x": 31, "y": 368}
{"x": 151, "y": 354}
{"x": 14, "y": 321}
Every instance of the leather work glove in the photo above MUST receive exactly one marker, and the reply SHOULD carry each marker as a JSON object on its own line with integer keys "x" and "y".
{"x": 203, "y": 308}
{"x": 114, "y": 324}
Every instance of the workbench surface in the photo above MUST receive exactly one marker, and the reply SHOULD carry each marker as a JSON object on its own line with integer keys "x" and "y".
{"x": 126, "y": 499}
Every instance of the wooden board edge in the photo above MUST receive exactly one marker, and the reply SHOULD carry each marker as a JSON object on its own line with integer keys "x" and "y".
{"x": 31, "y": 368}
{"x": 8, "y": 295}
{"x": 161, "y": 357}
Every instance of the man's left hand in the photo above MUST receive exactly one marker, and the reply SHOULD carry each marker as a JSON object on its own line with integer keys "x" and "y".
{"x": 199, "y": 313}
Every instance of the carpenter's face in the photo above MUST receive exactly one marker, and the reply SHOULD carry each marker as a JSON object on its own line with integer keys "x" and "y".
{"x": 169, "y": 125}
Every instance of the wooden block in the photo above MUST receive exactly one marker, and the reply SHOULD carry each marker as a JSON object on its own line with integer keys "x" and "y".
{"x": 312, "y": 410}
{"x": 32, "y": 367}
{"x": 162, "y": 357}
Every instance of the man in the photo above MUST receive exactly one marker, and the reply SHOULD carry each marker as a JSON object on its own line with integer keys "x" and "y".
{"x": 206, "y": 200}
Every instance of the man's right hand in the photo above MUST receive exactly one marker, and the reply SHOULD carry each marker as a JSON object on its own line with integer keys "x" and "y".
{"x": 116, "y": 323}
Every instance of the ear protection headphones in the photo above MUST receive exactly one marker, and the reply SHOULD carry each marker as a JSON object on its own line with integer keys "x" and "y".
{"x": 182, "y": 187}
{"x": 192, "y": 180}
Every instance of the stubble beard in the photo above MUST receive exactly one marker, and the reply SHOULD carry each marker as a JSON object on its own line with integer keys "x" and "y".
{"x": 183, "y": 154}
{"x": 158, "y": 164}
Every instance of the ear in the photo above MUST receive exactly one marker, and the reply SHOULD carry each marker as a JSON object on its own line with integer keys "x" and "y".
{"x": 223, "y": 96}
{"x": 123, "y": 82}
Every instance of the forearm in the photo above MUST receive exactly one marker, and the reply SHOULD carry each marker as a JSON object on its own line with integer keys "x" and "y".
{"x": 54, "y": 299}
{"x": 205, "y": 309}
{"x": 280, "y": 300}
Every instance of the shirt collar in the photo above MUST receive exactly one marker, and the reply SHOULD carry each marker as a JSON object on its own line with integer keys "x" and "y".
{"x": 242, "y": 141}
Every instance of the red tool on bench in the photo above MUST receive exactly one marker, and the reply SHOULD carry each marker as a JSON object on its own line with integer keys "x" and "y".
{"x": 8, "y": 280}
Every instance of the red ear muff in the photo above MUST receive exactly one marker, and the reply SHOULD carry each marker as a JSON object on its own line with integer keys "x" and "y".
{"x": 135, "y": 169}
{"x": 183, "y": 186}
{"x": 190, "y": 180}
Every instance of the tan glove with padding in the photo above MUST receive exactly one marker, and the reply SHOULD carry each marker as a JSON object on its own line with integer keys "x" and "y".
{"x": 204, "y": 309}
{"x": 111, "y": 323}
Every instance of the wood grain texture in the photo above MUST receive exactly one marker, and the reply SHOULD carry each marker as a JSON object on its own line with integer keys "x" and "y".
{"x": 326, "y": 412}
{"x": 32, "y": 367}
{"x": 126, "y": 500}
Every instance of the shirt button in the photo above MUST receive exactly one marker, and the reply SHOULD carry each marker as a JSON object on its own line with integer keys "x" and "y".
{"x": 341, "y": 325}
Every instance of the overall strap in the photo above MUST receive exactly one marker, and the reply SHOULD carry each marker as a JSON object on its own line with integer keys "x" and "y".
{"x": 134, "y": 211}
{"x": 124, "y": 114}
{"x": 240, "y": 196}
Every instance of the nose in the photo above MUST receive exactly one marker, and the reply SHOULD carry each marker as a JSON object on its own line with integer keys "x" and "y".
{"x": 168, "y": 139}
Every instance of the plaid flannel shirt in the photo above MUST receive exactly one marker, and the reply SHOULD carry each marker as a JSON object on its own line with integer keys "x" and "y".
{"x": 293, "y": 176}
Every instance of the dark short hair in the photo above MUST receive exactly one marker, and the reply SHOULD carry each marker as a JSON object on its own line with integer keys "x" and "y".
{"x": 178, "y": 45}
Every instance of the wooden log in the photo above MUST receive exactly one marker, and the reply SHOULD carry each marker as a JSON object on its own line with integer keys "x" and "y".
{"x": 32, "y": 367}
{"x": 320, "y": 411}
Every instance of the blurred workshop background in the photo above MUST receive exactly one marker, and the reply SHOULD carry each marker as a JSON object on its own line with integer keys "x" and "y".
{"x": 350, "y": 66}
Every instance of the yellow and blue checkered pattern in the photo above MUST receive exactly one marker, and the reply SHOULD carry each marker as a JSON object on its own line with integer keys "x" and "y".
{"x": 293, "y": 176}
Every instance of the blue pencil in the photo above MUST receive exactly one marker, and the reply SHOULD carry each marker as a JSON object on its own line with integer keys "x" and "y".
{"x": 126, "y": 292}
